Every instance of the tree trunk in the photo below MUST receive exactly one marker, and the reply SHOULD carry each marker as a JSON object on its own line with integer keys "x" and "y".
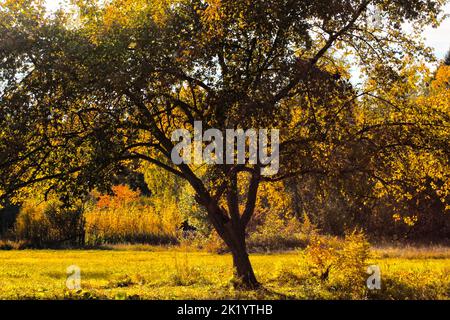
{"x": 234, "y": 237}
{"x": 231, "y": 228}
{"x": 243, "y": 268}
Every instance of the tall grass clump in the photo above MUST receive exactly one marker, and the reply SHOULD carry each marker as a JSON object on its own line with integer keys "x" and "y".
{"x": 126, "y": 217}
{"x": 185, "y": 274}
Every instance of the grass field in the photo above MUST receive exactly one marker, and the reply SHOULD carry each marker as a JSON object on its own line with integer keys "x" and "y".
{"x": 162, "y": 273}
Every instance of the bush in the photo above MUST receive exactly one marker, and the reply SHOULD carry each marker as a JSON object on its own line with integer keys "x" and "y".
{"x": 12, "y": 245}
{"x": 340, "y": 265}
{"x": 349, "y": 274}
{"x": 49, "y": 224}
{"x": 281, "y": 234}
{"x": 196, "y": 240}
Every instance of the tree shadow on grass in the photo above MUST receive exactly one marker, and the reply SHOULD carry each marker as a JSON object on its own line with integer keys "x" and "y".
{"x": 262, "y": 293}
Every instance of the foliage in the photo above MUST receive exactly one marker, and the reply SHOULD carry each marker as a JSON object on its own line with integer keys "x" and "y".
{"x": 172, "y": 189}
{"x": 49, "y": 224}
{"x": 122, "y": 217}
{"x": 127, "y": 218}
{"x": 122, "y": 196}
{"x": 277, "y": 234}
{"x": 341, "y": 264}
{"x": 401, "y": 193}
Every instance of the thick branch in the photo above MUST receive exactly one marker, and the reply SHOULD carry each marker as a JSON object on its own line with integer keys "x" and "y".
{"x": 251, "y": 198}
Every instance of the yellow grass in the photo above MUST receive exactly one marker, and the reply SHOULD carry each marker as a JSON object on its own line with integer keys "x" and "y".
{"x": 163, "y": 273}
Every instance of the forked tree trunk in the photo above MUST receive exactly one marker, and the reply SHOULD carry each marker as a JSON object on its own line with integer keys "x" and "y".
{"x": 231, "y": 226}
{"x": 243, "y": 268}
{"x": 234, "y": 237}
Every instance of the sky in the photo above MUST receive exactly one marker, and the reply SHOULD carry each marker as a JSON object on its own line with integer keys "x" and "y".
{"x": 439, "y": 39}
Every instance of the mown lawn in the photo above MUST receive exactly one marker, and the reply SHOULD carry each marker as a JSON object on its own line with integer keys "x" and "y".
{"x": 161, "y": 273}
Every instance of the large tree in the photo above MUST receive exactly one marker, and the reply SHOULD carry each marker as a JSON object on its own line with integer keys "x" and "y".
{"x": 102, "y": 85}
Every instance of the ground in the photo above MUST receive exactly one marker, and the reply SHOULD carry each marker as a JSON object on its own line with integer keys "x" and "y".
{"x": 173, "y": 273}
